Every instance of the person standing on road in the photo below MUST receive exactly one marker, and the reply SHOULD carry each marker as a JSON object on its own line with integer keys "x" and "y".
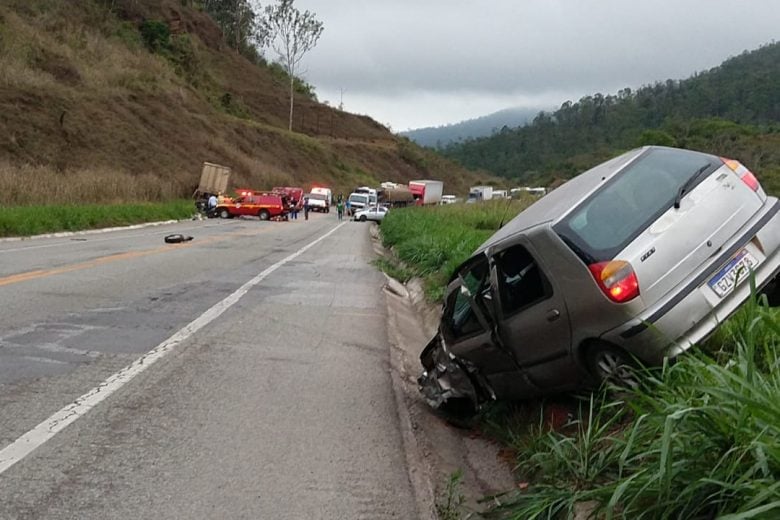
{"x": 348, "y": 205}
{"x": 212, "y": 203}
{"x": 340, "y": 209}
{"x": 306, "y": 208}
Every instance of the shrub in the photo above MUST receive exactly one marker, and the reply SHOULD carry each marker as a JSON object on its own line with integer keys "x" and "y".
{"x": 155, "y": 34}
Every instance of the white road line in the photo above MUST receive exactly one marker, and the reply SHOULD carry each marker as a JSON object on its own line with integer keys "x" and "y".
{"x": 34, "y": 438}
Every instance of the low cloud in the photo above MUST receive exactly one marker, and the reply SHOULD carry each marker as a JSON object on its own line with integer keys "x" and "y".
{"x": 410, "y": 63}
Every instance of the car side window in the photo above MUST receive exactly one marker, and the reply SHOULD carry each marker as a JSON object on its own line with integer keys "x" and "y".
{"x": 521, "y": 282}
{"x": 461, "y": 320}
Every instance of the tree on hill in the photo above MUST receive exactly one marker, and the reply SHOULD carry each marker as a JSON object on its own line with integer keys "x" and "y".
{"x": 240, "y": 23}
{"x": 291, "y": 34}
{"x": 725, "y": 110}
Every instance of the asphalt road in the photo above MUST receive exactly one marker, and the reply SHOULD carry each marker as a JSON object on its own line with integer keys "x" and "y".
{"x": 272, "y": 400}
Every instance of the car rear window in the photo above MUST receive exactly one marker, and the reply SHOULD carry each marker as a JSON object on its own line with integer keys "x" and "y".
{"x": 613, "y": 216}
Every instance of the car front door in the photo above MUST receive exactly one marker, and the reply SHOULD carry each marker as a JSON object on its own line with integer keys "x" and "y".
{"x": 533, "y": 321}
{"x": 469, "y": 330}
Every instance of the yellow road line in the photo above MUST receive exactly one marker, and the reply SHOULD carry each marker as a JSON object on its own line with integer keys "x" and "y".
{"x": 44, "y": 273}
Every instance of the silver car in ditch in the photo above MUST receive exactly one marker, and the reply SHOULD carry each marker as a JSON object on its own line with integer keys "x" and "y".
{"x": 638, "y": 258}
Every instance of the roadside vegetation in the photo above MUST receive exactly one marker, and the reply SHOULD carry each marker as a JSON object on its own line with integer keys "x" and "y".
{"x": 34, "y": 220}
{"x": 430, "y": 242}
{"x": 699, "y": 439}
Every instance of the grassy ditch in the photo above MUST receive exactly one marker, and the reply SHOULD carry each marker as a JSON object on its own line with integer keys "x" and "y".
{"x": 431, "y": 242}
{"x": 34, "y": 220}
{"x": 699, "y": 439}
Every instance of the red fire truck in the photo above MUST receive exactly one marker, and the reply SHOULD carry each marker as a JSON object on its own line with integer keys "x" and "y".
{"x": 264, "y": 205}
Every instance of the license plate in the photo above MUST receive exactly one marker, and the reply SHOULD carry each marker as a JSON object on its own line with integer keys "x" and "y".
{"x": 736, "y": 272}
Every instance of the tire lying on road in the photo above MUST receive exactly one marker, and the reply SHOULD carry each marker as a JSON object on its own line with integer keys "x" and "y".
{"x": 177, "y": 238}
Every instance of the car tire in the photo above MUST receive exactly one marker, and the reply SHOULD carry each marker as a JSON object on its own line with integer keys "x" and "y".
{"x": 264, "y": 215}
{"x": 609, "y": 364}
{"x": 177, "y": 238}
{"x": 362, "y": 218}
{"x": 223, "y": 213}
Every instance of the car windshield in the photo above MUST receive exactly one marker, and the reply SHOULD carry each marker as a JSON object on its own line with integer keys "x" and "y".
{"x": 316, "y": 196}
{"x": 360, "y": 199}
{"x": 607, "y": 221}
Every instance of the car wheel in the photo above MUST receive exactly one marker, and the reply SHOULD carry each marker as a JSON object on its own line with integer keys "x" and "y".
{"x": 224, "y": 213}
{"x": 264, "y": 215}
{"x": 607, "y": 363}
{"x": 362, "y": 218}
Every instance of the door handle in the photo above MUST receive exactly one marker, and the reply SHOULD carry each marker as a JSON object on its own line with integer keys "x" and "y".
{"x": 553, "y": 315}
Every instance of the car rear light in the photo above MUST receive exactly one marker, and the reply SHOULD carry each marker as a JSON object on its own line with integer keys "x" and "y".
{"x": 743, "y": 173}
{"x": 617, "y": 279}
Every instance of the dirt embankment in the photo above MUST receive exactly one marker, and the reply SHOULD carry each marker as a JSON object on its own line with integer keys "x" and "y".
{"x": 84, "y": 103}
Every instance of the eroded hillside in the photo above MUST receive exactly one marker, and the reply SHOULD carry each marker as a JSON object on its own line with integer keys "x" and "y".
{"x": 88, "y": 111}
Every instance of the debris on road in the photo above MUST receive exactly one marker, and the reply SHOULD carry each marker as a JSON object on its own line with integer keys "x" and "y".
{"x": 177, "y": 238}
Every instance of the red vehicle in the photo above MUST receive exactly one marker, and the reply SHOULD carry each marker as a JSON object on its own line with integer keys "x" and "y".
{"x": 264, "y": 205}
{"x": 294, "y": 195}
{"x": 426, "y": 192}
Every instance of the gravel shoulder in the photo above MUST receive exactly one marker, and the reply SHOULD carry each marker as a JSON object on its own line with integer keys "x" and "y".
{"x": 435, "y": 449}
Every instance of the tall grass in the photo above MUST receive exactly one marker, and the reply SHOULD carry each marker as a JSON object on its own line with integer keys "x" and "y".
{"x": 433, "y": 241}
{"x": 698, "y": 440}
{"x": 33, "y": 220}
{"x": 28, "y": 185}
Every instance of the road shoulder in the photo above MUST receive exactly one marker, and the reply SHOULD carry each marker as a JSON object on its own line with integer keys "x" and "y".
{"x": 435, "y": 449}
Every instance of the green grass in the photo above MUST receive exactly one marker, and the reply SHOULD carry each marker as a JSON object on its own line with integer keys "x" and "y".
{"x": 433, "y": 241}
{"x": 700, "y": 439}
{"x": 394, "y": 269}
{"x": 35, "y": 220}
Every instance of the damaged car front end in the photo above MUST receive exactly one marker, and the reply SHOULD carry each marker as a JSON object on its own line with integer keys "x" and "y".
{"x": 447, "y": 380}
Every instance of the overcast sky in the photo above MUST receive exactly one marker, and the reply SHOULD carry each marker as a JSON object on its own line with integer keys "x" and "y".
{"x": 417, "y": 63}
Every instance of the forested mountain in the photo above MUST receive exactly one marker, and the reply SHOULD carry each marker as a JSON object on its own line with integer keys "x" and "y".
{"x": 732, "y": 109}
{"x": 441, "y": 136}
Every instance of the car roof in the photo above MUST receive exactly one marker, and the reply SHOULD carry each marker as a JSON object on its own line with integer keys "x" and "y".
{"x": 560, "y": 201}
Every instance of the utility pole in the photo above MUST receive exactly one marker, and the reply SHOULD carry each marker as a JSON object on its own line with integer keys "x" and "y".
{"x": 341, "y": 99}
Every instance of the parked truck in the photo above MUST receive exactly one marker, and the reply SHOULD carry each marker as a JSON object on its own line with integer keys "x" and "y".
{"x": 398, "y": 196}
{"x": 426, "y": 191}
{"x": 214, "y": 179}
{"x": 479, "y": 193}
{"x": 371, "y": 192}
{"x": 319, "y": 200}
{"x": 358, "y": 201}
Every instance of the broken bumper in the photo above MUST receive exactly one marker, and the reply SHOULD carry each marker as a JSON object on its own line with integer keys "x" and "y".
{"x": 446, "y": 378}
